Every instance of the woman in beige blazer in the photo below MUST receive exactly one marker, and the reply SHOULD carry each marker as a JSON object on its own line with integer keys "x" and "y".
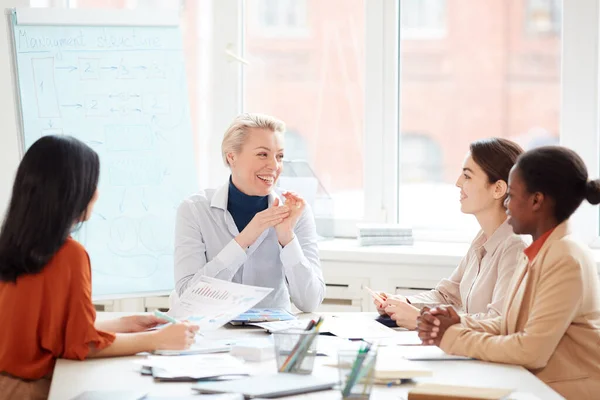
{"x": 478, "y": 285}
{"x": 551, "y": 318}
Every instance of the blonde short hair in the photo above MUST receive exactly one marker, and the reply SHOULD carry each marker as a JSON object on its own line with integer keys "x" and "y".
{"x": 236, "y": 134}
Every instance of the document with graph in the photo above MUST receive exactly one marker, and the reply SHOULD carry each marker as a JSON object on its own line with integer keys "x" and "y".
{"x": 211, "y": 303}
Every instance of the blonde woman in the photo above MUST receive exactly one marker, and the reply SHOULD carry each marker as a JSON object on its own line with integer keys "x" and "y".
{"x": 243, "y": 231}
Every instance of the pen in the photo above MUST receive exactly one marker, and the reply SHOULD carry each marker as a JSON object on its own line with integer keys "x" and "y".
{"x": 375, "y": 295}
{"x": 166, "y": 317}
{"x": 356, "y": 368}
{"x": 287, "y": 361}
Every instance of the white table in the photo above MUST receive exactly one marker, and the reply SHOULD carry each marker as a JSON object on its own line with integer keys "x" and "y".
{"x": 73, "y": 377}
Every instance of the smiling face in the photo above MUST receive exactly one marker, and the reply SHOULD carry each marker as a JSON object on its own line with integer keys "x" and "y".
{"x": 256, "y": 168}
{"x": 520, "y": 204}
{"x": 476, "y": 193}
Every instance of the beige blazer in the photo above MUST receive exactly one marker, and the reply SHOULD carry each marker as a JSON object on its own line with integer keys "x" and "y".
{"x": 478, "y": 285}
{"x": 550, "y": 323}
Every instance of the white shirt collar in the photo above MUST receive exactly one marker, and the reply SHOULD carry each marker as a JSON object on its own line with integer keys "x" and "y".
{"x": 221, "y": 196}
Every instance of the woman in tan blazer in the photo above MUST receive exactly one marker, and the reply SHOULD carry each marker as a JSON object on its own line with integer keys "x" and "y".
{"x": 478, "y": 285}
{"x": 551, "y": 319}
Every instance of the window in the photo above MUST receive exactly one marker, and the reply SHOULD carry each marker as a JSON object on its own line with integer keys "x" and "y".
{"x": 125, "y": 4}
{"x": 420, "y": 159}
{"x": 423, "y": 18}
{"x": 316, "y": 85}
{"x": 277, "y": 18}
{"x": 469, "y": 86}
{"x": 380, "y": 117}
{"x": 543, "y": 16}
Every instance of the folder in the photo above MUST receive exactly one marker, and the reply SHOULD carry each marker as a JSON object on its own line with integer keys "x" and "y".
{"x": 431, "y": 391}
{"x": 255, "y": 315}
{"x": 268, "y": 386}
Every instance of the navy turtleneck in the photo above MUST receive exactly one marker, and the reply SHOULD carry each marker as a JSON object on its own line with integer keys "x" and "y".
{"x": 243, "y": 207}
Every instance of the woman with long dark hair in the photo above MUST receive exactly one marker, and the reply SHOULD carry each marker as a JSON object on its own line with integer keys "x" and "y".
{"x": 45, "y": 275}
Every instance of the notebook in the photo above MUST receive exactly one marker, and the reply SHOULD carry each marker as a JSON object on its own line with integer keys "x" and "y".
{"x": 201, "y": 346}
{"x": 431, "y": 391}
{"x": 195, "y": 397}
{"x": 110, "y": 395}
{"x": 254, "y": 315}
{"x": 391, "y": 369}
{"x": 268, "y": 386}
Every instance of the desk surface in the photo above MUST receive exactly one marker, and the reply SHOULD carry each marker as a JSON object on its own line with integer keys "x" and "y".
{"x": 73, "y": 377}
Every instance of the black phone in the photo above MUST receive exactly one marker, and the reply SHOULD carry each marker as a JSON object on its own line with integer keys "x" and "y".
{"x": 387, "y": 321}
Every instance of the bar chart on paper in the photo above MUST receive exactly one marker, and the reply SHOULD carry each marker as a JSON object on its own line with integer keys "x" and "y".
{"x": 210, "y": 303}
{"x": 121, "y": 90}
{"x": 211, "y": 293}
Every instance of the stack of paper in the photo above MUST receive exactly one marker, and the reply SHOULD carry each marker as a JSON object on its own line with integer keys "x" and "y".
{"x": 384, "y": 234}
{"x": 194, "y": 367}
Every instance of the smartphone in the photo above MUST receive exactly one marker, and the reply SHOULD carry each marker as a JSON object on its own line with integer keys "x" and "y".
{"x": 387, "y": 321}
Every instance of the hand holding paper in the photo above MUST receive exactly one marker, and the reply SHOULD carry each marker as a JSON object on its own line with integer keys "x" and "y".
{"x": 211, "y": 303}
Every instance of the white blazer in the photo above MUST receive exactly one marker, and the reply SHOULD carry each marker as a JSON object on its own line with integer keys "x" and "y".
{"x": 205, "y": 246}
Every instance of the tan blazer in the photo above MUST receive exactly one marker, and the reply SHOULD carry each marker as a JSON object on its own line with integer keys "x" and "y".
{"x": 550, "y": 323}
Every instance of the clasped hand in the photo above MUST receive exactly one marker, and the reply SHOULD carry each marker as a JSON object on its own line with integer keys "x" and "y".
{"x": 433, "y": 323}
{"x": 283, "y": 217}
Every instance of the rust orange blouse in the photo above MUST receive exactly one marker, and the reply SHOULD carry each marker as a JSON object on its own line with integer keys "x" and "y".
{"x": 534, "y": 248}
{"x": 49, "y": 315}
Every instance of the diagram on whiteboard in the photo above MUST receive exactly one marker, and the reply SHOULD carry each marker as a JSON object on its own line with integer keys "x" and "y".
{"x": 123, "y": 92}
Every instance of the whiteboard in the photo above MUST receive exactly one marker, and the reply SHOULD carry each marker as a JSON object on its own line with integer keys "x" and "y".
{"x": 122, "y": 90}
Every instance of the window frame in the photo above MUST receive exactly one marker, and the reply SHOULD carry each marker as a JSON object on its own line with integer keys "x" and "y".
{"x": 580, "y": 103}
{"x": 381, "y": 104}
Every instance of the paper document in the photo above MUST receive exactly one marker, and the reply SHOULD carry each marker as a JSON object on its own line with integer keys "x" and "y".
{"x": 211, "y": 303}
{"x": 401, "y": 338}
{"x": 389, "y": 369}
{"x": 277, "y": 326}
{"x": 356, "y": 328}
{"x": 197, "y": 367}
{"x": 111, "y": 394}
{"x": 423, "y": 353}
{"x": 201, "y": 346}
{"x": 331, "y": 345}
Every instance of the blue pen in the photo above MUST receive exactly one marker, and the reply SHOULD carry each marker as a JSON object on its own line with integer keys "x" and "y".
{"x": 166, "y": 317}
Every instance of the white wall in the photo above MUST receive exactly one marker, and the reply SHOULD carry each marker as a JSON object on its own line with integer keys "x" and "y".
{"x": 9, "y": 145}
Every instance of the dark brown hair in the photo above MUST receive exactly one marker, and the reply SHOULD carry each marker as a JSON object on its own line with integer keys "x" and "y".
{"x": 495, "y": 156}
{"x": 561, "y": 174}
{"x": 55, "y": 183}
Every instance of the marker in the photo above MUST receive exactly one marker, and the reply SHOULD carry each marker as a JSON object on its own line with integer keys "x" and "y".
{"x": 165, "y": 317}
